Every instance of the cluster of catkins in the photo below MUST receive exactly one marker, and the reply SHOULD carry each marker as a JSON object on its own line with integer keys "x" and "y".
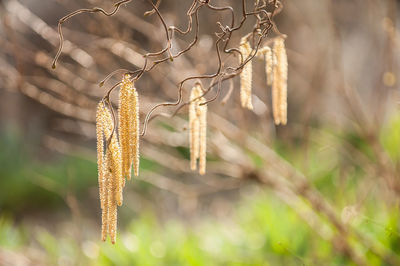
{"x": 276, "y": 68}
{"x": 118, "y": 147}
{"x": 121, "y": 153}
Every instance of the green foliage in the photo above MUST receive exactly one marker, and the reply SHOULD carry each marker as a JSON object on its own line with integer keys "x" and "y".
{"x": 261, "y": 230}
{"x": 24, "y": 180}
{"x": 390, "y": 137}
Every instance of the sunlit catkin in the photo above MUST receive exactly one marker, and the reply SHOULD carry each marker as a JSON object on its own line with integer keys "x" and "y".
{"x": 105, "y": 210}
{"x": 100, "y": 150}
{"x": 279, "y": 83}
{"x": 134, "y": 130}
{"x": 194, "y": 125}
{"x": 129, "y": 127}
{"x": 246, "y": 76}
{"x": 203, "y": 138}
{"x": 197, "y": 129}
{"x": 115, "y": 156}
{"x": 110, "y": 171}
{"x": 275, "y": 92}
{"x": 111, "y": 198}
{"x": 123, "y": 123}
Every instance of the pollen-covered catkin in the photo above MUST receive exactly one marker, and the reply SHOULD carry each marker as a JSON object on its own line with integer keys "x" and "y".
{"x": 194, "y": 125}
{"x": 129, "y": 127}
{"x": 246, "y": 76}
{"x": 105, "y": 210}
{"x": 110, "y": 170}
{"x": 275, "y": 92}
{"x": 123, "y": 123}
{"x": 100, "y": 150}
{"x": 134, "y": 130}
{"x": 113, "y": 175}
{"x": 279, "y": 84}
{"x": 115, "y": 156}
{"x": 203, "y": 138}
{"x": 103, "y": 173}
{"x": 197, "y": 129}
{"x": 111, "y": 198}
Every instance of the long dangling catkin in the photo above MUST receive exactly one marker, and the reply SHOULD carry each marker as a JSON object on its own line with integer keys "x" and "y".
{"x": 105, "y": 209}
{"x": 114, "y": 175}
{"x": 194, "y": 125}
{"x": 110, "y": 171}
{"x": 129, "y": 127}
{"x": 134, "y": 130}
{"x": 279, "y": 84}
{"x": 197, "y": 129}
{"x": 100, "y": 150}
{"x": 275, "y": 91}
{"x": 246, "y": 76}
{"x": 111, "y": 198}
{"x": 115, "y": 157}
{"x": 203, "y": 138}
{"x": 102, "y": 169}
{"x": 123, "y": 123}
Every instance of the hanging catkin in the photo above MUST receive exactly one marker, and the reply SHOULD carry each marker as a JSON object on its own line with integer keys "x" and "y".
{"x": 246, "y": 76}
{"x": 112, "y": 185}
{"x": 275, "y": 91}
{"x": 203, "y": 138}
{"x": 116, "y": 158}
{"x": 102, "y": 169}
{"x": 129, "y": 127}
{"x": 110, "y": 171}
{"x": 194, "y": 125}
{"x": 100, "y": 150}
{"x": 279, "y": 83}
{"x": 123, "y": 123}
{"x": 114, "y": 161}
{"x": 134, "y": 130}
{"x": 106, "y": 207}
{"x": 197, "y": 129}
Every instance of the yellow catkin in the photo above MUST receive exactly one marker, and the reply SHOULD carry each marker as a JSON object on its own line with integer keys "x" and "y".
{"x": 279, "y": 86}
{"x": 194, "y": 125}
{"x": 123, "y": 124}
{"x": 203, "y": 139}
{"x": 129, "y": 127}
{"x": 280, "y": 80}
{"x": 275, "y": 92}
{"x": 103, "y": 173}
{"x": 134, "y": 130}
{"x": 115, "y": 157}
{"x": 246, "y": 76}
{"x": 112, "y": 200}
{"x": 105, "y": 211}
{"x": 113, "y": 166}
{"x": 197, "y": 129}
{"x": 100, "y": 150}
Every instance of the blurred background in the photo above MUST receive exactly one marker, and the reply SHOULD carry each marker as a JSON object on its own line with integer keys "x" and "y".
{"x": 323, "y": 190}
